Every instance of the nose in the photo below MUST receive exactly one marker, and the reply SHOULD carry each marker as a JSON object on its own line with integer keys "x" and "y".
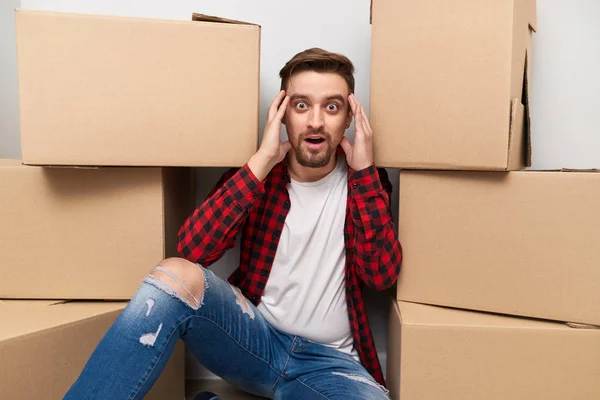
{"x": 316, "y": 118}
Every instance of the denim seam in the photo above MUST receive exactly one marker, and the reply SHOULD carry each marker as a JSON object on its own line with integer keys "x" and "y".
{"x": 287, "y": 363}
{"x": 158, "y": 359}
{"x": 237, "y": 342}
{"x": 310, "y": 388}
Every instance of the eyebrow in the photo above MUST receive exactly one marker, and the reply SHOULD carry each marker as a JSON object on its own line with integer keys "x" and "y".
{"x": 300, "y": 96}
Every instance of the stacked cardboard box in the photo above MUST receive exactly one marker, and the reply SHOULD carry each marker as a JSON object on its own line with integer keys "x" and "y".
{"x": 443, "y": 353}
{"x": 114, "y": 112}
{"x": 73, "y": 233}
{"x": 500, "y": 287}
{"x": 449, "y": 83}
{"x": 44, "y": 345}
{"x": 522, "y": 243}
{"x": 132, "y": 91}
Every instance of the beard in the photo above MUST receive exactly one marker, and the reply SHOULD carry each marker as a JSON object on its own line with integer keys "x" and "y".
{"x": 313, "y": 158}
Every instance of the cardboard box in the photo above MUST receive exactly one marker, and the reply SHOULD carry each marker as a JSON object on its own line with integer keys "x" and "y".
{"x": 70, "y": 233}
{"x": 44, "y": 347}
{"x": 449, "y": 83}
{"x": 521, "y": 243}
{"x": 437, "y": 353}
{"x": 103, "y": 90}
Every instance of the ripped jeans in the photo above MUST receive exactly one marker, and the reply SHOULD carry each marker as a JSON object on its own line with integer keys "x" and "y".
{"x": 228, "y": 335}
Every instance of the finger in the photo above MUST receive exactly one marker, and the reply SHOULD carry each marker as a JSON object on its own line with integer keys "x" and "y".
{"x": 356, "y": 102}
{"x": 346, "y": 146}
{"x": 358, "y": 126}
{"x": 352, "y": 102}
{"x": 353, "y": 98}
{"x": 282, "y": 108}
{"x": 365, "y": 128}
{"x": 366, "y": 122}
{"x": 275, "y": 104}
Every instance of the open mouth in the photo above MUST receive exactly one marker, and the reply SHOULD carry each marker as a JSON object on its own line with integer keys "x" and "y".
{"x": 315, "y": 140}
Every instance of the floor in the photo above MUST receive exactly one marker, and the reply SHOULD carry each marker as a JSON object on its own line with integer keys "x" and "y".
{"x": 217, "y": 386}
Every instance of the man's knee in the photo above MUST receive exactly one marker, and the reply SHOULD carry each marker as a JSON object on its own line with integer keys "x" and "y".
{"x": 180, "y": 278}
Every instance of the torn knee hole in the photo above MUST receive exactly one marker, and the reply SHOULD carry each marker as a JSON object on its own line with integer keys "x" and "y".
{"x": 242, "y": 302}
{"x": 185, "y": 284}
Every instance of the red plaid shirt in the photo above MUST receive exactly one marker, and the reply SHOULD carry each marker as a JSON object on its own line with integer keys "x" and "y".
{"x": 241, "y": 203}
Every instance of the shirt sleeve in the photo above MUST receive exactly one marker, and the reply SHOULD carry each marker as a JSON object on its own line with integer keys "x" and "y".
{"x": 378, "y": 253}
{"x": 213, "y": 227}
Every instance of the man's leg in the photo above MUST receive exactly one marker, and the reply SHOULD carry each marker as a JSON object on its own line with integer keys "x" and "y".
{"x": 334, "y": 384}
{"x": 180, "y": 299}
{"x": 319, "y": 372}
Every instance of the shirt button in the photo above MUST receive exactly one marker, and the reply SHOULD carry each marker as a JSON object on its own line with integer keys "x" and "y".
{"x": 255, "y": 298}
{"x": 264, "y": 272}
{"x": 355, "y": 185}
{"x": 273, "y": 237}
{"x": 287, "y": 202}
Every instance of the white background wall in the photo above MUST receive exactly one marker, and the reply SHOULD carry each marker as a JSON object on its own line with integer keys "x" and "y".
{"x": 10, "y": 146}
{"x": 565, "y": 83}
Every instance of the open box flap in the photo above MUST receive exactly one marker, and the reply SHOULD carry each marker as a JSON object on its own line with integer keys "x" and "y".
{"x": 210, "y": 18}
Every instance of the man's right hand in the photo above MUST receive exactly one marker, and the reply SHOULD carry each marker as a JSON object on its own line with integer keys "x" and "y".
{"x": 272, "y": 151}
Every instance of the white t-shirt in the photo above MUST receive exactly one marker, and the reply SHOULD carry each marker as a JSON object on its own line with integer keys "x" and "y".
{"x": 305, "y": 294}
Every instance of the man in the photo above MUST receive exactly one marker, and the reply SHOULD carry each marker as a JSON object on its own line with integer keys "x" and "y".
{"x": 314, "y": 215}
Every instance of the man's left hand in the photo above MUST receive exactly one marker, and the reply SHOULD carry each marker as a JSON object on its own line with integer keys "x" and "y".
{"x": 360, "y": 154}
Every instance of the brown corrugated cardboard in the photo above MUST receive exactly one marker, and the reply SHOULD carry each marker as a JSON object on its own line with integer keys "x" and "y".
{"x": 102, "y": 90}
{"x": 436, "y": 353}
{"x": 71, "y": 233}
{"x": 522, "y": 243}
{"x": 449, "y": 83}
{"x": 44, "y": 346}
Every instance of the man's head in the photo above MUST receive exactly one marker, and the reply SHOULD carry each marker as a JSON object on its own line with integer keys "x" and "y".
{"x": 318, "y": 83}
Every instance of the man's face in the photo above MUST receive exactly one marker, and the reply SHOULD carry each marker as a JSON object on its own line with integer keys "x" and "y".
{"x": 317, "y": 116}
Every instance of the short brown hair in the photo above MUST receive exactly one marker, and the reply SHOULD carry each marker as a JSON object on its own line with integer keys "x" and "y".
{"x": 318, "y": 60}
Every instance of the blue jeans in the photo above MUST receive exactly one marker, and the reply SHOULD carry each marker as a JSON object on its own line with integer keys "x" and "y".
{"x": 229, "y": 336}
